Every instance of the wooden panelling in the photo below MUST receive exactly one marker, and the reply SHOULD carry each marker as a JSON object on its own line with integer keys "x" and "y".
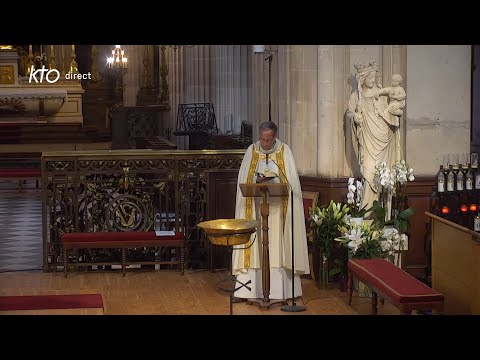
{"x": 476, "y": 278}
{"x": 222, "y": 191}
{"x": 133, "y": 123}
{"x": 327, "y": 188}
{"x": 97, "y": 102}
{"x": 455, "y": 255}
{"x": 221, "y": 205}
{"x": 416, "y": 260}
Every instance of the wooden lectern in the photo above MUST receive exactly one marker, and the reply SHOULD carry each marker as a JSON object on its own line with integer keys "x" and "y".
{"x": 264, "y": 190}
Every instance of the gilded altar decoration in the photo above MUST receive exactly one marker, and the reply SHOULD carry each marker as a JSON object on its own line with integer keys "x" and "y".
{"x": 73, "y": 69}
{"x": 52, "y": 64}
{"x": 6, "y": 74}
{"x": 12, "y": 105}
{"x": 33, "y": 101}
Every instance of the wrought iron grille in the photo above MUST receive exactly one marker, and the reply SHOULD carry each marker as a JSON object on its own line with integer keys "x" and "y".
{"x": 127, "y": 191}
{"x": 196, "y": 118}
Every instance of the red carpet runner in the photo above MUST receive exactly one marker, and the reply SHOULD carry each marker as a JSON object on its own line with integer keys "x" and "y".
{"x": 40, "y": 302}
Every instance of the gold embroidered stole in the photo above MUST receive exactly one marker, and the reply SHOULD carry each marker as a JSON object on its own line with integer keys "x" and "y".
{"x": 248, "y": 205}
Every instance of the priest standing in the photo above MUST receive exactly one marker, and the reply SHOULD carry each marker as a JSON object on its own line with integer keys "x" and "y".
{"x": 269, "y": 159}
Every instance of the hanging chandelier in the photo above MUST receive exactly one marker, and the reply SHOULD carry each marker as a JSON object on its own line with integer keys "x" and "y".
{"x": 118, "y": 60}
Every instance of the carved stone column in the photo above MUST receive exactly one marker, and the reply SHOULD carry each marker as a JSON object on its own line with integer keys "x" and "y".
{"x": 259, "y": 109}
{"x": 298, "y": 109}
{"x": 175, "y": 65}
{"x": 198, "y": 73}
{"x": 190, "y": 80}
{"x": 231, "y": 84}
{"x": 331, "y": 108}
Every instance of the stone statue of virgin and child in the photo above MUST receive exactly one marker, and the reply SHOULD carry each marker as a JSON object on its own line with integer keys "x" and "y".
{"x": 374, "y": 113}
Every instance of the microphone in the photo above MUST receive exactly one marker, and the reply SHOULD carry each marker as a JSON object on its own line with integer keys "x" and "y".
{"x": 284, "y": 175}
{"x": 294, "y": 307}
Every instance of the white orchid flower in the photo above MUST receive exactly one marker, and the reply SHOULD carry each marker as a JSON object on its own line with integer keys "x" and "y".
{"x": 359, "y": 185}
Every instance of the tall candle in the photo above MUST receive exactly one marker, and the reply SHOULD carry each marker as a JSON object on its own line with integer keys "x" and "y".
{"x": 63, "y": 60}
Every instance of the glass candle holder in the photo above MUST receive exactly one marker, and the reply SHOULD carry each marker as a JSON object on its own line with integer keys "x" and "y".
{"x": 474, "y": 159}
{"x": 455, "y": 161}
{"x": 446, "y": 161}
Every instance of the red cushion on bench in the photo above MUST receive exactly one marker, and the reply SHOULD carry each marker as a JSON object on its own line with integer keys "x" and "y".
{"x": 120, "y": 239}
{"x": 117, "y": 236}
{"x": 20, "y": 172}
{"x": 38, "y": 302}
{"x": 393, "y": 281}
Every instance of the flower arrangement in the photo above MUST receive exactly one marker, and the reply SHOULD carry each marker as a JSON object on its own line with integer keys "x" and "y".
{"x": 393, "y": 183}
{"x": 368, "y": 241}
{"x": 363, "y": 241}
{"x": 384, "y": 177}
{"x": 354, "y": 198}
{"x": 326, "y": 223}
{"x": 393, "y": 243}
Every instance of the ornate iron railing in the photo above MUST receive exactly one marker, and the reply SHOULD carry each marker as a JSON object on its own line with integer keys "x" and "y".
{"x": 196, "y": 118}
{"x": 126, "y": 190}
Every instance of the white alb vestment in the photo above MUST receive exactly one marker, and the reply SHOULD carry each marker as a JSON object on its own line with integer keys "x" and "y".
{"x": 247, "y": 263}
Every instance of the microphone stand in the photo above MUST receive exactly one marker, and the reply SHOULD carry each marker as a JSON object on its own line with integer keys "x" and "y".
{"x": 294, "y": 307}
{"x": 269, "y": 58}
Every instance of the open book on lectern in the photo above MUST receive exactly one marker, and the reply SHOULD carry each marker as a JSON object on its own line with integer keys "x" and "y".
{"x": 258, "y": 189}
{"x": 267, "y": 176}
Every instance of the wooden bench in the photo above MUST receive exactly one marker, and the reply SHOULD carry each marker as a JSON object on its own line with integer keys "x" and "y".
{"x": 393, "y": 284}
{"x": 20, "y": 175}
{"x": 122, "y": 240}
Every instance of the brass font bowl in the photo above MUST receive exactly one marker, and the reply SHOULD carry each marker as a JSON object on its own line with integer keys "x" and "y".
{"x": 228, "y": 232}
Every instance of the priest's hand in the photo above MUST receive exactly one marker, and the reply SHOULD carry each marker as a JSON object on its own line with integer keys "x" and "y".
{"x": 262, "y": 179}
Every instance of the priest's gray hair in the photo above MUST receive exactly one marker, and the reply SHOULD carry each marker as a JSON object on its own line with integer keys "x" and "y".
{"x": 269, "y": 125}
